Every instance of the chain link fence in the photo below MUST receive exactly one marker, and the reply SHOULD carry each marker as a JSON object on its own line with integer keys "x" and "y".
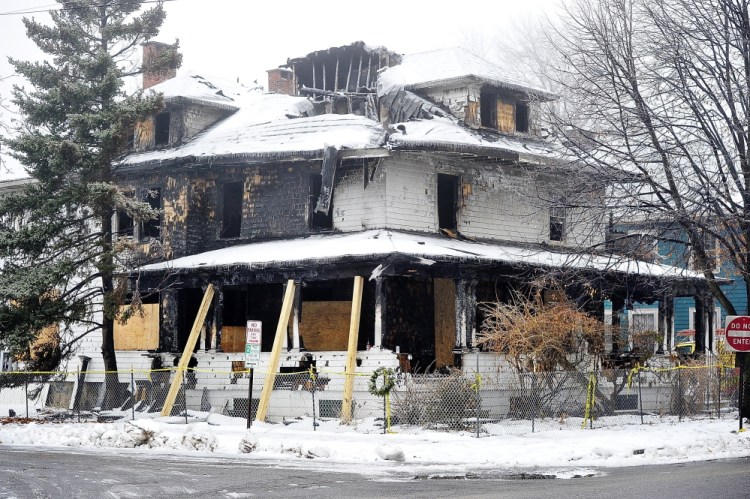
{"x": 502, "y": 403}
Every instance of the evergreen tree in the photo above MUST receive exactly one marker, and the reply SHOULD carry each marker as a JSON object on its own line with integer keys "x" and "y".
{"x": 59, "y": 260}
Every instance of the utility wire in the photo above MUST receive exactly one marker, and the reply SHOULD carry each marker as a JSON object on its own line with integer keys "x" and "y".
{"x": 42, "y": 8}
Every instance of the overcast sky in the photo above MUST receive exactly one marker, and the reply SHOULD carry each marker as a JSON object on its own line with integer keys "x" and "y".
{"x": 242, "y": 39}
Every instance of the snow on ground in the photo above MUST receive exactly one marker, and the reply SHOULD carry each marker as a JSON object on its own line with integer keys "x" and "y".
{"x": 366, "y": 446}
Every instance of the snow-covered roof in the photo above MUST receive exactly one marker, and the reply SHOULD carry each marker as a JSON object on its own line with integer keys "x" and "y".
{"x": 447, "y": 134}
{"x": 207, "y": 90}
{"x": 379, "y": 244}
{"x": 273, "y": 125}
{"x": 445, "y": 67}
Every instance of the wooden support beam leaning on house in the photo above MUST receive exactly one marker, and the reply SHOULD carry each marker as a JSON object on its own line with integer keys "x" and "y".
{"x": 278, "y": 342}
{"x": 174, "y": 389}
{"x": 351, "y": 352}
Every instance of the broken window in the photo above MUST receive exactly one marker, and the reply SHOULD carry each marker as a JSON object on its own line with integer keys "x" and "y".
{"x": 152, "y": 228}
{"x": 556, "y": 223}
{"x": 488, "y": 109}
{"x": 447, "y": 200}
{"x": 125, "y": 224}
{"x": 231, "y": 211}
{"x": 522, "y": 117}
{"x": 319, "y": 220}
{"x": 161, "y": 129}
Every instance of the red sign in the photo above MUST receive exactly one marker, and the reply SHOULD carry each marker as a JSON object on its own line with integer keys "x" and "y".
{"x": 738, "y": 333}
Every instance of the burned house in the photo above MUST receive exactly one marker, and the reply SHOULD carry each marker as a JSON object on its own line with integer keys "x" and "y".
{"x": 426, "y": 176}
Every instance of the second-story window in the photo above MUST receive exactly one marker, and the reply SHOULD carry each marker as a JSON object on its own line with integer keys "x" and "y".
{"x": 522, "y": 117}
{"x": 231, "y": 209}
{"x": 152, "y": 228}
{"x": 556, "y": 223}
{"x": 161, "y": 129}
{"x": 447, "y": 201}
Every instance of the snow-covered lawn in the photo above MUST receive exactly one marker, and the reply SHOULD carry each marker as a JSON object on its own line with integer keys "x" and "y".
{"x": 627, "y": 445}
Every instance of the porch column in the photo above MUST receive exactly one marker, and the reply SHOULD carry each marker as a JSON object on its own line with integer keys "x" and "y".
{"x": 666, "y": 311}
{"x": 700, "y": 324}
{"x": 218, "y": 317}
{"x": 708, "y": 322}
{"x": 380, "y": 307}
{"x": 295, "y": 316}
{"x": 466, "y": 312}
{"x": 614, "y": 339}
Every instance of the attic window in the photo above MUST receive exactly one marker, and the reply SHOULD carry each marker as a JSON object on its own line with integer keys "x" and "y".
{"x": 556, "y": 223}
{"x": 152, "y": 228}
{"x": 231, "y": 211}
{"x": 447, "y": 199}
{"x": 161, "y": 129}
{"x": 522, "y": 117}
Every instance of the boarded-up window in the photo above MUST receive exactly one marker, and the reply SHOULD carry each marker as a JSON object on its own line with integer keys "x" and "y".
{"x": 144, "y": 134}
{"x": 506, "y": 117}
{"x": 325, "y": 325}
{"x": 140, "y": 332}
{"x": 445, "y": 321}
{"x": 233, "y": 338}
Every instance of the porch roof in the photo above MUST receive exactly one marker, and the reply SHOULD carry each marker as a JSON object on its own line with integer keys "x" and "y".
{"x": 380, "y": 244}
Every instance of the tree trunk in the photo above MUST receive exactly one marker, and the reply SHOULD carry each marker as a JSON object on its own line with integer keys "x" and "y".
{"x": 113, "y": 396}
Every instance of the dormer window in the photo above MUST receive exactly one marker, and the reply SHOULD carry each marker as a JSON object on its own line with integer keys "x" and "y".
{"x": 161, "y": 129}
{"x": 503, "y": 113}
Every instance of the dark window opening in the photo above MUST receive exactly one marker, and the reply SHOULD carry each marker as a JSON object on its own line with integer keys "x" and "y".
{"x": 447, "y": 197}
{"x": 318, "y": 220}
{"x": 488, "y": 109}
{"x": 556, "y": 224}
{"x": 231, "y": 212}
{"x": 188, "y": 302}
{"x": 152, "y": 227}
{"x": 234, "y": 307}
{"x": 161, "y": 129}
{"x": 125, "y": 224}
{"x": 522, "y": 117}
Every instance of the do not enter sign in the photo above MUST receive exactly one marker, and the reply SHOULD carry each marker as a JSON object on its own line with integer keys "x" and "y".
{"x": 738, "y": 333}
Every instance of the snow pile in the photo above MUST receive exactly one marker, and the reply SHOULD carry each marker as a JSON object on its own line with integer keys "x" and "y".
{"x": 602, "y": 447}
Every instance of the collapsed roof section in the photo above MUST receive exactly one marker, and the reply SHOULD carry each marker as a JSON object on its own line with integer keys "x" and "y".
{"x": 378, "y": 96}
{"x": 350, "y": 68}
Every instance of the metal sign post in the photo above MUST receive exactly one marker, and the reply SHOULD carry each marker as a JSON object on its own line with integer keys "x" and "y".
{"x": 737, "y": 339}
{"x": 252, "y": 359}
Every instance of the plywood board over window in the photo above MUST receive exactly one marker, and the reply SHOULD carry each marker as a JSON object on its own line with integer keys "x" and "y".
{"x": 506, "y": 117}
{"x": 445, "y": 321}
{"x": 140, "y": 332}
{"x": 233, "y": 338}
{"x": 325, "y": 325}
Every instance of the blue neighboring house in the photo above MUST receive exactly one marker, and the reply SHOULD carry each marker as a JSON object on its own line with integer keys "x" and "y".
{"x": 672, "y": 249}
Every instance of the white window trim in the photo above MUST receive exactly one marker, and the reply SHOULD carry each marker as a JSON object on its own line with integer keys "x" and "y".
{"x": 717, "y": 323}
{"x": 644, "y": 311}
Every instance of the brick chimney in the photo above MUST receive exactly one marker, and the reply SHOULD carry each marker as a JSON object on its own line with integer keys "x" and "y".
{"x": 281, "y": 81}
{"x": 151, "y": 53}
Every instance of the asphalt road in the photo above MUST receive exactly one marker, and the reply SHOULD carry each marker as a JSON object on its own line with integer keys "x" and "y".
{"x": 35, "y": 473}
